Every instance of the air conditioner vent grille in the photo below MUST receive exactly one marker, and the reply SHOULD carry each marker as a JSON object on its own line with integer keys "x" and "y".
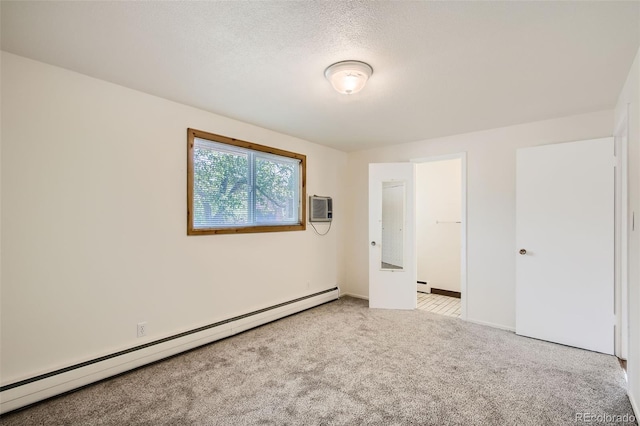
{"x": 321, "y": 209}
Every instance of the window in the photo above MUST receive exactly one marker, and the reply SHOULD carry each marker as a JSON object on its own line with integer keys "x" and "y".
{"x": 236, "y": 186}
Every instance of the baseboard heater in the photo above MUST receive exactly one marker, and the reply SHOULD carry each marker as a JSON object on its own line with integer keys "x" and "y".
{"x": 422, "y": 286}
{"x": 25, "y": 392}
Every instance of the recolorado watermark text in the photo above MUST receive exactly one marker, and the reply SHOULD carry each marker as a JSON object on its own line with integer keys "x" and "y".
{"x": 586, "y": 417}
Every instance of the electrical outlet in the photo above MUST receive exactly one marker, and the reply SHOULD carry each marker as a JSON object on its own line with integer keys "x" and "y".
{"x": 142, "y": 329}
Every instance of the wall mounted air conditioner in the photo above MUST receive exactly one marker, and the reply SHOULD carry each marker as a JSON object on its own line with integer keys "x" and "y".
{"x": 320, "y": 209}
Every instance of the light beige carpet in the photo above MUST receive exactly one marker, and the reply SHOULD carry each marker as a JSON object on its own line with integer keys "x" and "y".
{"x": 343, "y": 363}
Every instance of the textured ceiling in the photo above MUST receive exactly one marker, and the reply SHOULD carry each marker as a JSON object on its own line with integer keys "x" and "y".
{"x": 440, "y": 68}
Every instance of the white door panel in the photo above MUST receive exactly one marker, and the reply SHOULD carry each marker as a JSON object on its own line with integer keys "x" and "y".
{"x": 392, "y": 278}
{"x": 565, "y": 222}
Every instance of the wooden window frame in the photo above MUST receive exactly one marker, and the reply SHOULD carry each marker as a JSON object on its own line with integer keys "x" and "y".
{"x": 192, "y": 134}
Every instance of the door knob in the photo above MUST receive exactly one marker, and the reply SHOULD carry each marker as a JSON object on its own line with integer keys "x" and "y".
{"x": 373, "y": 243}
{"x": 522, "y": 251}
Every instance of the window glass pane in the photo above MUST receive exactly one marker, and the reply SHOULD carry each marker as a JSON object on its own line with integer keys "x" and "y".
{"x": 221, "y": 185}
{"x": 277, "y": 185}
{"x": 237, "y": 186}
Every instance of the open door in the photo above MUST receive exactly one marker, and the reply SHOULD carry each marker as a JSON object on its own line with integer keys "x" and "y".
{"x": 565, "y": 237}
{"x": 392, "y": 247}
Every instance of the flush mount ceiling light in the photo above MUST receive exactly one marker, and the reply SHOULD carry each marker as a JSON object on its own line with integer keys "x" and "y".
{"x": 348, "y": 77}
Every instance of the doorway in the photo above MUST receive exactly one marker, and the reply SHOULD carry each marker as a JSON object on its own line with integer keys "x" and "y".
{"x": 441, "y": 234}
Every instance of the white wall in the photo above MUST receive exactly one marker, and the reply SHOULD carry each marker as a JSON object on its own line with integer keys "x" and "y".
{"x": 438, "y": 187}
{"x": 490, "y": 204}
{"x": 94, "y": 223}
{"x": 630, "y": 98}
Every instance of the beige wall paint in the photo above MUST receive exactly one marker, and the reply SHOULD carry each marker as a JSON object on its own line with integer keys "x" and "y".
{"x": 94, "y": 223}
{"x": 630, "y": 100}
{"x": 490, "y": 204}
{"x": 438, "y": 187}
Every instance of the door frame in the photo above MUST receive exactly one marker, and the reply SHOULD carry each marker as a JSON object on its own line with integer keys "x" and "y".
{"x": 462, "y": 156}
{"x": 621, "y": 289}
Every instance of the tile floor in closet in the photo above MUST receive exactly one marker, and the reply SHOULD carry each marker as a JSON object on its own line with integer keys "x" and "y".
{"x": 438, "y": 304}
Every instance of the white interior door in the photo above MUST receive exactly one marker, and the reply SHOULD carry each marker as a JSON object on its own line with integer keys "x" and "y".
{"x": 565, "y": 244}
{"x": 392, "y": 251}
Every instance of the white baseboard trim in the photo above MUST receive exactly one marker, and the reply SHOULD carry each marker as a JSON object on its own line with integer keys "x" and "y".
{"x": 490, "y": 324}
{"x": 357, "y": 296}
{"x": 26, "y": 392}
{"x": 634, "y": 405}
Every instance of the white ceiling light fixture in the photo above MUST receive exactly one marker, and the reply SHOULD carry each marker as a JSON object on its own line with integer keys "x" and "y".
{"x": 348, "y": 77}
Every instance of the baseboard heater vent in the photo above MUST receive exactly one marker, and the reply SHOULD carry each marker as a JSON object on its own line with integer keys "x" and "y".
{"x": 422, "y": 286}
{"x": 25, "y": 392}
